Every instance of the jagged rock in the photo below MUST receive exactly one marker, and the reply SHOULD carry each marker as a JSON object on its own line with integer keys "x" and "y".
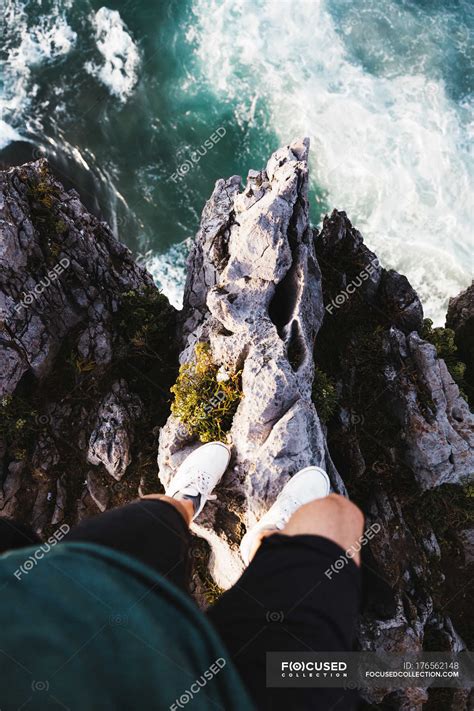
{"x": 434, "y": 422}
{"x": 65, "y": 336}
{"x": 262, "y": 289}
{"x": 460, "y": 318}
{"x": 400, "y": 301}
{"x": 85, "y": 506}
{"x": 45, "y": 455}
{"x": 403, "y": 428}
{"x": 356, "y": 284}
{"x": 94, "y": 343}
{"x": 437, "y": 427}
{"x": 52, "y": 271}
{"x": 254, "y": 294}
{"x": 408, "y": 699}
{"x": 110, "y": 441}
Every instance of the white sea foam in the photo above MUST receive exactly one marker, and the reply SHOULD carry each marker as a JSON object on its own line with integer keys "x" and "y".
{"x": 121, "y": 57}
{"x": 26, "y": 45}
{"x": 7, "y": 134}
{"x": 169, "y": 271}
{"x": 391, "y": 147}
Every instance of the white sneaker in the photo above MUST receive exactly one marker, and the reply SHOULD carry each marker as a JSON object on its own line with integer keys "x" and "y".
{"x": 307, "y": 485}
{"x": 200, "y": 472}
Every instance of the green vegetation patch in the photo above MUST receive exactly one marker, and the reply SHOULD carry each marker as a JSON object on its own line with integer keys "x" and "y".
{"x": 204, "y": 405}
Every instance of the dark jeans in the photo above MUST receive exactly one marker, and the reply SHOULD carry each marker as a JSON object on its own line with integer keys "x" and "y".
{"x": 282, "y": 602}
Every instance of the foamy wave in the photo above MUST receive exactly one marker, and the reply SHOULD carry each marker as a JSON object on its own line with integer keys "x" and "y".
{"x": 119, "y": 71}
{"x": 389, "y": 148}
{"x": 7, "y": 134}
{"x": 437, "y": 274}
{"x": 27, "y": 45}
{"x": 169, "y": 271}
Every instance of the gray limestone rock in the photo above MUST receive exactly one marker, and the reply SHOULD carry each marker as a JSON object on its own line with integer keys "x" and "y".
{"x": 111, "y": 439}
{"x": 254, "y": 294}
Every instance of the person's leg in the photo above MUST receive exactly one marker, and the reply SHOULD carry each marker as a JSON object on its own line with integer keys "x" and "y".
{"x": 290, "y": 599}
{"x": 135, "y": 529}
{"x": 333, "y": 517}
{"x": 154, "y": 530}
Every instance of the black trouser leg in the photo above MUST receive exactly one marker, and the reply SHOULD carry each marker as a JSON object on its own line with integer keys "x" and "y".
{"x": 154, "y": 532}
{"x": 285, "y": 602}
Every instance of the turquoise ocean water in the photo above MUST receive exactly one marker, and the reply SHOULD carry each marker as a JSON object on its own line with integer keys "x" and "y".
{"x": 120, "y": 97}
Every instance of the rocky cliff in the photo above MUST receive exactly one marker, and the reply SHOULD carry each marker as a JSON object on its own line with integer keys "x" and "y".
{"x": 294, "y": 345}
{"x": 87, "y": 357}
